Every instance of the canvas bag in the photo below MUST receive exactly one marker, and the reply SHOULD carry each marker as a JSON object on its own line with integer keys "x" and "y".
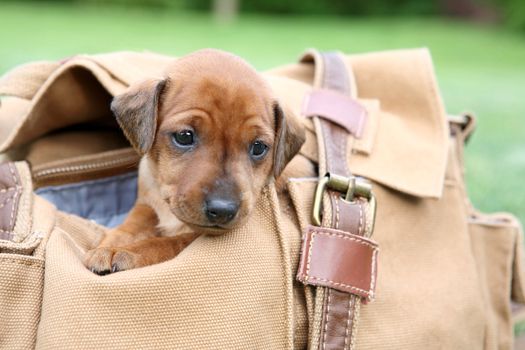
{"x": 221, "y": 292}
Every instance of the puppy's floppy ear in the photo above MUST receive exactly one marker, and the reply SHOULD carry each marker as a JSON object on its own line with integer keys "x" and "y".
{"x": 136, "y": 112}
{"x": 290, "y": 136}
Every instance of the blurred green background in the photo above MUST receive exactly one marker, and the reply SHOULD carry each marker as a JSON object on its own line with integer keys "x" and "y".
{"x": 478, "y": 49}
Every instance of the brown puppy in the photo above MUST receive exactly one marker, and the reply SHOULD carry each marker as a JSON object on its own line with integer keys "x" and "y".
{"x": 212, "y": 135}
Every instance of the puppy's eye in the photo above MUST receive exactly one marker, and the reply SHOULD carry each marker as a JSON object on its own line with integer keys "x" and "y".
{"x": 184, "y": 138}
{"x": 258, "y": 150}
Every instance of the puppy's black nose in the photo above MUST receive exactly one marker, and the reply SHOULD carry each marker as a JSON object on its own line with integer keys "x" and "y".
{"x": 221, "y": 211}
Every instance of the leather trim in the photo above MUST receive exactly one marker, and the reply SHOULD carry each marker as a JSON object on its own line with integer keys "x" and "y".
{"x": 10, "y": 192}
{"x": 337, "y": 108}
{"x": 340, "y": 318}
{"x": 339, "y": 260}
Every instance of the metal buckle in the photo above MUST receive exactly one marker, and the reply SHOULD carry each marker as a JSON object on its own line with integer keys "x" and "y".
{"x": 351, "y": 186}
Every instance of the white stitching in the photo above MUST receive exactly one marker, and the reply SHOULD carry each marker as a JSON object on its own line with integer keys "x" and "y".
{"x": 327, "y": 314}
{"x": 343, "y": 153}
{"x": 357, "y": 239}
{"x": 5, "y": 190}
{"x": 310, "y": 248}
{"x": 367, "y": 293}
{"x": 348, "y": 320}
{"x": 13, "y": 173}
{"x": 368, "y": 220}
{"x": 12, "y": 217}
{"x": 337, "y": 211}
{"x": 355, "y": 321}
{"x": 373, "y": 279}
{"x": 17, "y": 192}
{"x": 7, "y": 200}
{"x": 320, "y": 59}
{"x": 359, "y": 229}
{"x": 328, "y": 147}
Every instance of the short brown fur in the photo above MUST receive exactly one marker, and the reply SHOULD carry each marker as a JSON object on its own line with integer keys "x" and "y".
{"x": 228, "y": 106}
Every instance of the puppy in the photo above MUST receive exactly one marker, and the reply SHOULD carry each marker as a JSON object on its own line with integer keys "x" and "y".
{"x": 211, "y": 136}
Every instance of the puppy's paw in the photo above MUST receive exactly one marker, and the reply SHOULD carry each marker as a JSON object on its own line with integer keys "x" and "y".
{"x": 103, "y": 261}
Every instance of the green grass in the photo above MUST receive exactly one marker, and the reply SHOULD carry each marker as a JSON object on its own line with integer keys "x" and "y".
{"x": 479, "y": 68}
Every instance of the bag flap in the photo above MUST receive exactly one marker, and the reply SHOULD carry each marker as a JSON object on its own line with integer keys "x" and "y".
{"x": 25, "y": 80}
{"x": 78, "y": 90}
{"x": 407, "y": 125}
{"x": 406, "y": 137}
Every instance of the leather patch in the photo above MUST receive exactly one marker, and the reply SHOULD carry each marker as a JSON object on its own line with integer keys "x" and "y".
{"x": 339, "y": 260}
{"x": 337, "y": 108}
{"x": 10, "y": 192}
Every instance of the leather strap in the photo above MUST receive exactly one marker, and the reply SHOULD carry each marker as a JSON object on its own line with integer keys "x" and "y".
{"x": 351, "y": 262}
{"x": 335, "y": 107}
{"x": 331, "y": 73}
{"x": 335, "y": 257}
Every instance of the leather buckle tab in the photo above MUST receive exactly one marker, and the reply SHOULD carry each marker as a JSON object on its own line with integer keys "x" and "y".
{"x": 339, "y": 260}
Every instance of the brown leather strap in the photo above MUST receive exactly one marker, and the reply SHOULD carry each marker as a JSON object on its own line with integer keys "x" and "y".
{"x": 331, "y": 73}
{"x": 336, "y": 257}
{"x": 339, "y": 260}
{"x": 339, "y": 322}
{"x": 337, "y": 108}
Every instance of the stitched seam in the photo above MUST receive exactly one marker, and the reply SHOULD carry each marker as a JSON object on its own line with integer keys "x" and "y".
{"x": 348, "y": 320}
{"x": 328, "y": 147}
{"x": 368, "y": 221}
{"x": 355, "y": 322}
{"x": 325, "y": 82}
{"x": 338, "y": 284}
{"x": 337, "y": 211}
{"x": 368, "y": 293}
{"x": 9, "y": 235}
{"x": 373, "y": 277}
{"x": 327, "y": 314}
{"x": 310, "y": 249}
{"x": 7, "y": 200}
{"x": 359, "y": 229}
{"x": 13, "y": 174}
{"x": 342, "y": 153}
{"x": 338, "y": 235}
{"x": 12, "y": 218}
{"x": 346, "y": 75}
{"x": 346, "y": 78}
{"x": 23, "y": 262}
{"x": 6, "y": 189}
{"x": 3, "y": 231}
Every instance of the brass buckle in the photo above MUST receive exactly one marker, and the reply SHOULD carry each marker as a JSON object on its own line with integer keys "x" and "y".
{"x": 351, "y": 186}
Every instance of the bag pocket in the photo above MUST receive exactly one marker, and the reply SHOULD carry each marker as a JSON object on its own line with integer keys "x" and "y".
{"x": 25, "y": 223}
{"x": 21, "y": 283}
{"x": 223, "y": 292}
{"x": 498, "y": 250}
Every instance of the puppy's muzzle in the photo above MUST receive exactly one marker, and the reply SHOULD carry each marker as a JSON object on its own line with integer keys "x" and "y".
{"x": 221, "y": 211}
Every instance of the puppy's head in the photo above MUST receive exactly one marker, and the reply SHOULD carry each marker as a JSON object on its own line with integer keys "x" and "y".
{"x": 214, "y": 136}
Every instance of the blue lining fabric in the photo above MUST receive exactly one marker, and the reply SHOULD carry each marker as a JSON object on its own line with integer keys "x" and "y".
{"x": 106, "y": 201}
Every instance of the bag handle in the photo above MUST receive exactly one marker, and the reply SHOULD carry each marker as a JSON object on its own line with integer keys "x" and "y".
{"x": 340, "y": 239}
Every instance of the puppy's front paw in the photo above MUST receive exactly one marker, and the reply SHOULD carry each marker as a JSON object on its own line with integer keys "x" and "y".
{"x": 103, "y": 261}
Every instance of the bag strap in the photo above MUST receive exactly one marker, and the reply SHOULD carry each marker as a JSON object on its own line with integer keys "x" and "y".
{"x": 337, "y": 256}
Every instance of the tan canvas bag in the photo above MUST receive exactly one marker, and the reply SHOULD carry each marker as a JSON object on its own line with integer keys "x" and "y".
{"x": 445, "y": 273}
